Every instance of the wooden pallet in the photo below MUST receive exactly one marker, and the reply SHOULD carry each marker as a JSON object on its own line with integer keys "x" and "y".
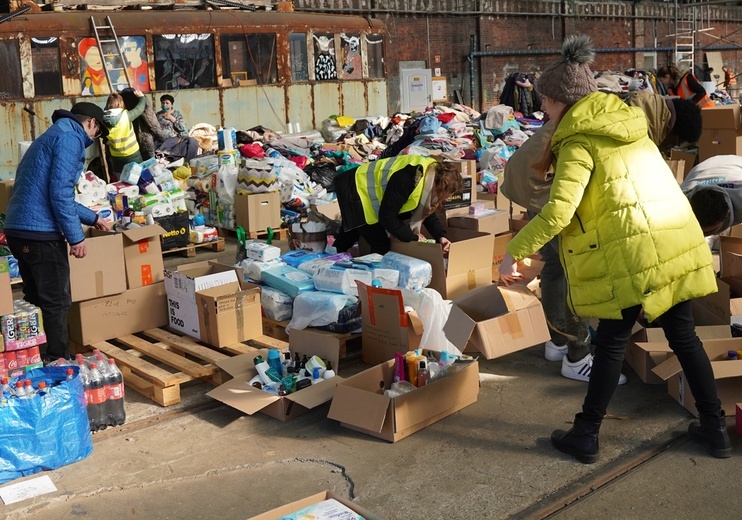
{"x": 189, "y": 251}
{"x": 156, "y": 362}
{"x": 277, "y": 330}
{"x": 278, "y": 234}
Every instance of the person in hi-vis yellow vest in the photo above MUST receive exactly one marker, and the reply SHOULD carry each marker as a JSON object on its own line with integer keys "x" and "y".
{"x": 378, "y": 197}
{"x": 122, "y": 141}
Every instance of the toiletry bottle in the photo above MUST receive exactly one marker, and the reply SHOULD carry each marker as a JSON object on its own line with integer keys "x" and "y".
{"x": 274, "y": 360}
{"x": 329, "y": 372}
{"x": 263, "y": 367}
{"x": 423, "y": 376}
{"x": 287, "y": 366}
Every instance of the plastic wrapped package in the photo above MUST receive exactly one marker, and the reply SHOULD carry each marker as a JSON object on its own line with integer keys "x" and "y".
{"x": 254, "y": 269}
{"x": 289, "y": 280}
{"x": 349, "y": 318}
{"x": 414, "y": 273}
{"x": 312, "y": 266}
{"x": 262, "y": 251}
{"x": 317, "y": 309}
{"x": 276, "y": 305}
{"x": 341, "y": 280}
{"x": 389, "y": 278}
{"x": 299, "y": 256}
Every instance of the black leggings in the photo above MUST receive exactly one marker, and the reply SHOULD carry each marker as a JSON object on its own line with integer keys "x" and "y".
{"x": 375, "y": 236}
{"x": 611, "y": 340}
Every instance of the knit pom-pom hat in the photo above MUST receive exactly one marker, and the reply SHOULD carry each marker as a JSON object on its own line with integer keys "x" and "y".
{"x": 570, "y": 79}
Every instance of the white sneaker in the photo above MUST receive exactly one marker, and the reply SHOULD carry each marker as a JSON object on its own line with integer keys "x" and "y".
{"x": 554, "y": 352}
{"x": 580, "y": 371}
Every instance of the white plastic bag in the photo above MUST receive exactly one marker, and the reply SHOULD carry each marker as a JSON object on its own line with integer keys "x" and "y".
{"x": 433, "y": 311}
{"x": 317, "y": 309}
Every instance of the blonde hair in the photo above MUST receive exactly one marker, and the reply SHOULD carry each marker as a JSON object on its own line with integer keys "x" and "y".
{"x": 115, "y": 101}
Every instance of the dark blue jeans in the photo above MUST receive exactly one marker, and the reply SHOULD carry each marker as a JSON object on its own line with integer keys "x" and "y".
{"x": 45, "y": 270}
{"x": 611, "y": 340}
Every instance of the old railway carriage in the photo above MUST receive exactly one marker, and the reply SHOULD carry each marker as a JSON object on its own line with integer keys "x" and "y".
{"x": 229, "y": 68}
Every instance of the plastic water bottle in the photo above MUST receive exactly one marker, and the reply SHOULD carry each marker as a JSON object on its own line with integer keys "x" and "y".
{"x": 5, "y": 387}
{"x": 115, "y": 410}
{"x": 272, "y": 152}
{"x": 96, "y": 406}
{"x": 70, "y": 374}
{"x": 20, "y": 390}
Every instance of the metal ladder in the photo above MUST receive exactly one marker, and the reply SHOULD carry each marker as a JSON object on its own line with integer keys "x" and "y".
{"x": 685, "y": 37}
{"x": 111, "y": 55}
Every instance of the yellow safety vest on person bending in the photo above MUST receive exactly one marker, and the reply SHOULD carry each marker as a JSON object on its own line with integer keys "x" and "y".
{"x": 121, "y": 139}
{"x": 373, "y": 177}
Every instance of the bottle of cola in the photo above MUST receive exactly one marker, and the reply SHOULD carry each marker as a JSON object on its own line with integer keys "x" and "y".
{"x": 115, "y": 411}
{"x": 97, "y": 405}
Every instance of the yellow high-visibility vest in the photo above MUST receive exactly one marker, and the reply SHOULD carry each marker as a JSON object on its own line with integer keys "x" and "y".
{"x": 373, "y": 177}
{"x": 121, "y": 139}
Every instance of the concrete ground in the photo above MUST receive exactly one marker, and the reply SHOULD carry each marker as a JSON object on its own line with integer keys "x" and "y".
{"x": 492, "y": 460}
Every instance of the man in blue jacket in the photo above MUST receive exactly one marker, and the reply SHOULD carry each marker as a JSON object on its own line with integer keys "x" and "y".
{"x": 43, "y": 217}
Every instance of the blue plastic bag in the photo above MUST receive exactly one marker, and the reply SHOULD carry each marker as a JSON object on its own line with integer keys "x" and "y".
{"x": 44, "y": 432}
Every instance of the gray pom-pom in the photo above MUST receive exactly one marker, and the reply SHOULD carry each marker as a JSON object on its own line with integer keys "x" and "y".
{"x": 578, "y": 48}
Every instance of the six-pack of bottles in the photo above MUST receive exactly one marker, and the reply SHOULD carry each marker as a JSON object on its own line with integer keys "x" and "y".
{"x": 24, "y": 328}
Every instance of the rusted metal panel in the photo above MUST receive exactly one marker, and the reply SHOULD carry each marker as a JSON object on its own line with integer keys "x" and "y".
{"x": 271, "y": 107}
{"x": 376, "y": 95}
{"x": 326, "y": 100}
{"x": 70, "y": 65}
{"x": 24, "y": 45}
{"x": 196, "y": 105}
{"x": 300, "y": 105}
{"x": 354, "y": 101}
{"x": 241, "y": 107}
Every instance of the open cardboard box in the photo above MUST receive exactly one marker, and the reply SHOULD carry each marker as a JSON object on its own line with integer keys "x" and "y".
{"x": 648, "y": 348}
{"x": 387, "y": 327}
{"x": 496, "y": 321}
{"x": 469, "y": 264}
{"x": 285, "y": 510}
{"x": 184, "y": 282}
{"x": 238, "y": 394}
{"x": 360, "y": 403}
{"x": 727, "y": 374}
{"x": 142, "y": 254}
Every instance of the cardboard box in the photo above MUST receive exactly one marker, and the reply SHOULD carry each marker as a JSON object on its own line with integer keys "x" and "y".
{"x": 713, "y": 309}
{"x": 359, "y": 403}
{"x": 257, "y": 211}
{"x": 238, "y": 394}
{"x": 718, "y": 141}
{"x": 648, "y": 348}
{"x": 330, "y": 211}
{"x": 114, "y": 316}
{"x": 677, "y": 166}
{"x": 689, "y": 157}
{"x": 142, "y": 255}
{"x": 492, "y": 224}
{"x": 101, "y": 272}
{"x": 342, "y": 147}
{"x": 469, "y": 263}
{"x": 285, "y": 510}
{"x": 722, "y": 116}
{"x": 727, "y": 374}
{"x": 463, "y": 198}
{"x": 227, "y": 314}
{"x": 387, "y": 327}
{"x": 496, "y": 321}
{"x": 177, "y": 230}
{"x": 183, "y": 283}
{"x": 6, "y": 190}
{"x": 499, "y": 250}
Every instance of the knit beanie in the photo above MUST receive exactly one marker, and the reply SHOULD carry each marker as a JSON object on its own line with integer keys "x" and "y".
{"x": 570, "y": 79}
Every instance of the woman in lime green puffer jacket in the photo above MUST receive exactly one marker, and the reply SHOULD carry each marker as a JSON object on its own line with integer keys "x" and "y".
{"x": 628, "y": 242}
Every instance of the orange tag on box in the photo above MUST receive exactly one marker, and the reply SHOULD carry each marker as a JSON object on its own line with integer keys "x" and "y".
{"x": 147, "y": 274}
{"x": 143, "y": 246}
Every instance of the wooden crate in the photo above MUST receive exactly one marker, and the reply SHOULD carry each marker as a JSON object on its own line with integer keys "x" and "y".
{"x": 156, "y": 362}
{"x": 190, "y": 250}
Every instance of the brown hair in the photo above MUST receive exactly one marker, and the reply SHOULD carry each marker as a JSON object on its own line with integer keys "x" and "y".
{"x": 670, "y": 70}
{"x": 115, "y": 101}
{"x": 447, "y": 182}
{"x": 547, "y": 158}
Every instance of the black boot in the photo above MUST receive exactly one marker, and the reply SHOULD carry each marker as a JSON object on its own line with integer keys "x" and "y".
{"x": 712, "y": 431}
{"x": 581, "y": 441}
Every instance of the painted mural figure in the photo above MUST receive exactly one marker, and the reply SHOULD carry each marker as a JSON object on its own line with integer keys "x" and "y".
{"x": 93, "y": 76}
{"x": 352, "y": 64}
{"x": 324, "y": 64}
{"x": 136, "y": 62}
